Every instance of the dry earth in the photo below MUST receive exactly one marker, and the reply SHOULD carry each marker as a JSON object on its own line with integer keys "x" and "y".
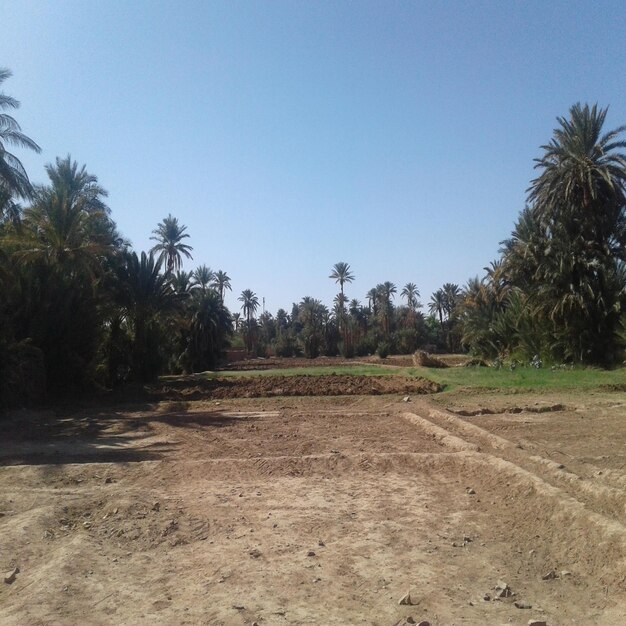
{"x": 317, "y": 510}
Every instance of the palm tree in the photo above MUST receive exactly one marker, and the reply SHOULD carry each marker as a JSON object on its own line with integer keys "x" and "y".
{"x": 386, "y": 292}
{"x": 182, "y": 283}
{"x": 569, "y": 244}
{"x": 451, "y": 293}
{"x": 411, "y": 293}
{"x": 202, "y": 277}
{"x": 372, "y": 300}
{"x": 250, "y": 304}
{"x": 13, "y": 177}
{"x": 169, "y": 235}
{"x": 582, "y": 172}
{"x": 145, "y": 296}
{"x": 341, "y": 274}
{"x": 67, "y": 226}
{"x": 437, "y": 305}
{"x": 209, "y": 328}
{"x": 221, "y": 281}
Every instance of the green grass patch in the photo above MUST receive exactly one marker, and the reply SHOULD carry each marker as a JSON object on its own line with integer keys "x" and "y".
{"x": 453, "y": 378}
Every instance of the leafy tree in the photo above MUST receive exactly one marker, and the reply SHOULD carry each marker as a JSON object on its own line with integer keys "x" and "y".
{"x": 169, "y": 235}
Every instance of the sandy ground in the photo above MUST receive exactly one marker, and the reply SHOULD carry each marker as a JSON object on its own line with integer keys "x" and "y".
{"x": 317, "y": 511}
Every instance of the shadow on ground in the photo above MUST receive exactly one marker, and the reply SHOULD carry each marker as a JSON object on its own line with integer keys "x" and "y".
{"x": 122, "y": 435}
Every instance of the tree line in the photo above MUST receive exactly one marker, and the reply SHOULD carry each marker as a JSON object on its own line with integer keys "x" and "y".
{"x": 80, "y": 307}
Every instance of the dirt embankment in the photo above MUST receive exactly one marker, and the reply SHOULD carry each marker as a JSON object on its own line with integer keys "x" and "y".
{"x": 192, "y": 388}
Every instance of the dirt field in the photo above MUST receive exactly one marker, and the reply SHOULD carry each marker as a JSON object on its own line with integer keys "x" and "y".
{"x": 317, "y": 510}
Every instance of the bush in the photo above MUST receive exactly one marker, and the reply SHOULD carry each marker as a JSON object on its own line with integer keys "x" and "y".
{"x": 383, "y": 349}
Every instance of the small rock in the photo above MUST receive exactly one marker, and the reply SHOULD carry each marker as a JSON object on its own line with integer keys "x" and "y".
{"x": 156, "y": 506}
{"x": 470, "y": 491}
{"x": 503, "y": 590}
{"x": 9, "y": 577}
{"x": 108, "y": 480}
{"x": 486, "y": 597}
{"x": 467, "y": 539}
{"x": 410, "y": 620}
{"x": 424, "y": 623}
{"x": 406, "y": 600}
{"x": 523, "y": 605}
{"x": 255, "y": 554}
{"x": 406, "y": 399}
{"x": 537, "y": 622}
{"x": 551, "y": 575}
{"x": 310, "y": 553}
{"x": 565, "y": 573}
{"x": 321, "y": 543}
{"x": 239, "y": 607}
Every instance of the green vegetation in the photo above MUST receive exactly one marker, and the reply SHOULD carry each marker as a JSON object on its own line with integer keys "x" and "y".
{"x": 559, "y": 289}
{"x": 453, "y": 378}
{"x": 79, "y": 307}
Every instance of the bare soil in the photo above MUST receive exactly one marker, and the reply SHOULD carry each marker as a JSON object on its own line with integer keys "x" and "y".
{"x": 190, "y": 388}
{"x": 316, "y": 510}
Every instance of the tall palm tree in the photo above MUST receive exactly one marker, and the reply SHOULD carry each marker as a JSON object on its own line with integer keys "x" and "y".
{"x": 67, "y": 225}
{"x": 386, "y": 292}
{"x": 582, "y": 172}
{"x": 202, "y": 277}
{"x": 13, "y": 177}
{"x": 411, "y": 293}
{"x": 169, "y": 235}
{"x": 437, "y": 305}
{"x": 568, "y": 246}
{"x": 341, "y": 274}
{"x": 221, "y": 281}
{"x": 451, "y": 294}
{"x": 250, "y": 304}
{"x": 372, "y": 300}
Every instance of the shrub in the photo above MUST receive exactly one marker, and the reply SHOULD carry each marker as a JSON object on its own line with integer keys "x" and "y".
{"x": 423, "y": 359}
{"x": 383, "y": 349}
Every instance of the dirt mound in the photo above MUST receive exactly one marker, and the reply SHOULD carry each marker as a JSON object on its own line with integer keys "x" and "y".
{"x": 269, "y": 386}
{"x": 547, "y": 408}
{"x": 275, "y": 362}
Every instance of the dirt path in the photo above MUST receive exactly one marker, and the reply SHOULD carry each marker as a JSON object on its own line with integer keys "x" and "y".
{"x": 299, "y": 511}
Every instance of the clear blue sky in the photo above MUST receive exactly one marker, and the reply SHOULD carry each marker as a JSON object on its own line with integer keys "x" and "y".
{"x": 287, "y": 136}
